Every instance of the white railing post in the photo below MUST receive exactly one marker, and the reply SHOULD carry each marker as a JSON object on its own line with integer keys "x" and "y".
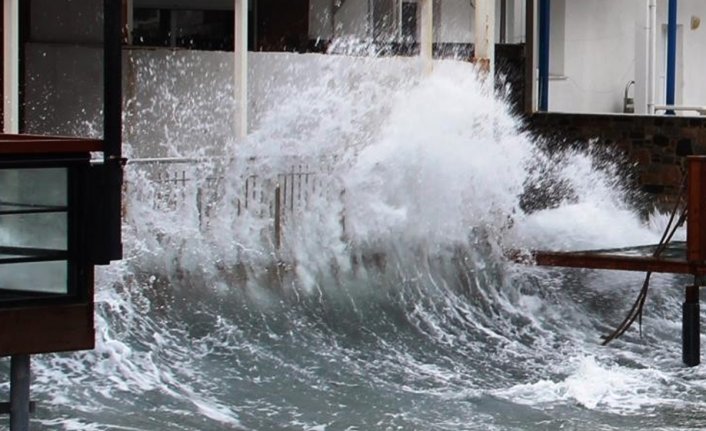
{"x": 240, "y": 76}
{"x": 11, "y": 69}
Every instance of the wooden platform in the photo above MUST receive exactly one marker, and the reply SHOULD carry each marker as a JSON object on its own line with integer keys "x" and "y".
{"x": 602, "y": 260}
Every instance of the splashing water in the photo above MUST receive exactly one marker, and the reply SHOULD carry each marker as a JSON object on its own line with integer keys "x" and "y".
{"x": 342, "y": 268}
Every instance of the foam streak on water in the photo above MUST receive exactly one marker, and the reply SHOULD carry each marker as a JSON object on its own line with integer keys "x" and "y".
{"x": 389, "y": 304}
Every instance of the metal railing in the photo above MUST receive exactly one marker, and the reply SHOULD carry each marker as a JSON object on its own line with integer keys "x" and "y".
{"x": 281, "y": 196}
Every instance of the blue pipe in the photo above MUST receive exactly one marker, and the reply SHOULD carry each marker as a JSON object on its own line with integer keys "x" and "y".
{"x": 671, "y": 54}
{"x": 544, "y": 15}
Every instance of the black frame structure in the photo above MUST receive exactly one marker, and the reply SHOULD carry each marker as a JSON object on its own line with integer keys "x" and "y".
{"x": 40, "y": 321}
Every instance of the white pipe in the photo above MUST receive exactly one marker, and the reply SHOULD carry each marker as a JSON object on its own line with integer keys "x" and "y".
{"x": 652, "y": 57}
{"x": 485, "y": 35}
{"x": 700, "y": 109}
{"x": 426, "y": 35}
{"x": 11, "y": 69}
{"x": 240, "y": 75}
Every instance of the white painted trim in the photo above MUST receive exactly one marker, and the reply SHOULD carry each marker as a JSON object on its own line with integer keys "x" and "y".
{"x": 240, "y": 75}
{"x": 11, "y": 69}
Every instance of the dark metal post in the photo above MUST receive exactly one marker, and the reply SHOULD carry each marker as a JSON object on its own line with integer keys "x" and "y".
{"x": 19, "y": 392}
{"x": 278, "y": 217}
{"x": 671, "y": 54}
{"x": 503, "y": 21}
{"x": 112, "y": 125}
{"x": 691, "y": 332}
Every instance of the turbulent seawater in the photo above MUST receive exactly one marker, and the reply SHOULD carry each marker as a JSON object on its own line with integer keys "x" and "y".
{"x": 388, "y": 304}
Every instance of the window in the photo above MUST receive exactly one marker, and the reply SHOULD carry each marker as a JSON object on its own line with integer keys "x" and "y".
{"x": 193, "y": 29}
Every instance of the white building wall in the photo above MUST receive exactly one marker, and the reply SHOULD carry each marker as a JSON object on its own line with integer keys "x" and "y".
{"x": 604, "y": 49}
{"x": 351, "y": 20}
{"x": 456, "y": 22}
{"x": 320, "y": 19}
{"x": 599, "y": 56}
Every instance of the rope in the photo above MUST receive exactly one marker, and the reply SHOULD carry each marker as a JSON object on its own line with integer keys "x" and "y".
{"x": 637, "y": 308}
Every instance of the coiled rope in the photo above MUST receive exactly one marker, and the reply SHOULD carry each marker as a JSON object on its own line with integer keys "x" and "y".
{"x": 637, "y": 308}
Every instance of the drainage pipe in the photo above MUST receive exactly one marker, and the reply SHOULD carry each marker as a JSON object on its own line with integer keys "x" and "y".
{"x": 671, "y": 54}
{"x": 651, "y": 55}
{"x": 544, "y": 26}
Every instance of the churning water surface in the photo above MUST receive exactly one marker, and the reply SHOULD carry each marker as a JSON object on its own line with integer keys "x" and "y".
{"x": 384, "y": 301}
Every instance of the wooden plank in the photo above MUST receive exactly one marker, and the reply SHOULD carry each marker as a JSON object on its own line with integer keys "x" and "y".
{"x": 44, "y": 329}
{"x": 696, "y": 215}
{"x": 33, "y": 144}
{"x": 613, "y": 262}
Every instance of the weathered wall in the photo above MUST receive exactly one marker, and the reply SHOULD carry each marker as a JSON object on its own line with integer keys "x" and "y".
{"x": 599, "y": 46}
{"x": 654, "y": 147}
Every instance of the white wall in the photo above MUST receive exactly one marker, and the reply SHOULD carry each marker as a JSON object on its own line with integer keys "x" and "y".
{"x": 457, "y": 21}
{"x": 351, "y": 20}
{"x": 599, "y": 56}
{"x": 454, "y": 20}
{"x": 604, "y": 49}
{"x": 179, "y": 102}
{"x": 694, "y": 52}
{"x": 320, "y": 19}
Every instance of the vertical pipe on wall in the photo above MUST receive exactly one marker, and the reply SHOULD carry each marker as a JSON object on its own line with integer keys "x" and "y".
{"x": 426, "y": 35}
{"x": 11, "y": 68}
{"x": 240, "y": 76}
{"x": 671, "y": 54}
{"x": 544, "y": 26}
{"x": 651, "y": 56}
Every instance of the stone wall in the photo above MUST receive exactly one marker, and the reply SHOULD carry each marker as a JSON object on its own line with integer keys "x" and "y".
{"x": 653, "y": 148}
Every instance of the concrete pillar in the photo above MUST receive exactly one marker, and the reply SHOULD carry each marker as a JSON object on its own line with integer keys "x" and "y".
{"x": 11, "y": 69}
{"x": 485, "y": 36}
{"x": 240, "y": 75}
{"x": 426, "y": 32}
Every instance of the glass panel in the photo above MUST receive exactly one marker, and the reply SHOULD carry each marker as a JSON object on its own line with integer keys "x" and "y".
{"x": 45, "y": 231}
{"x": 36, "y": 277}
{"x": 33, "y": 231}
{"x": 29, "y": 188}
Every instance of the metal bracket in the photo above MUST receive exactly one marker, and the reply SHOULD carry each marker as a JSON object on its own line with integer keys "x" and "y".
{"x": 5, "y": 408}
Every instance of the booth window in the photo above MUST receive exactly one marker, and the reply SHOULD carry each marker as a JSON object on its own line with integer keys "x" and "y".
{"x": 34, "y": 232}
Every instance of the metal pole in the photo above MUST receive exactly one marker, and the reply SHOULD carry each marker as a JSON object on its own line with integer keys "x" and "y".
{"x": 671, "y": 54}
{"x": 19, "y": 392}
{"x": 544, "y": 26}
{"x": 691, "y": 331}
